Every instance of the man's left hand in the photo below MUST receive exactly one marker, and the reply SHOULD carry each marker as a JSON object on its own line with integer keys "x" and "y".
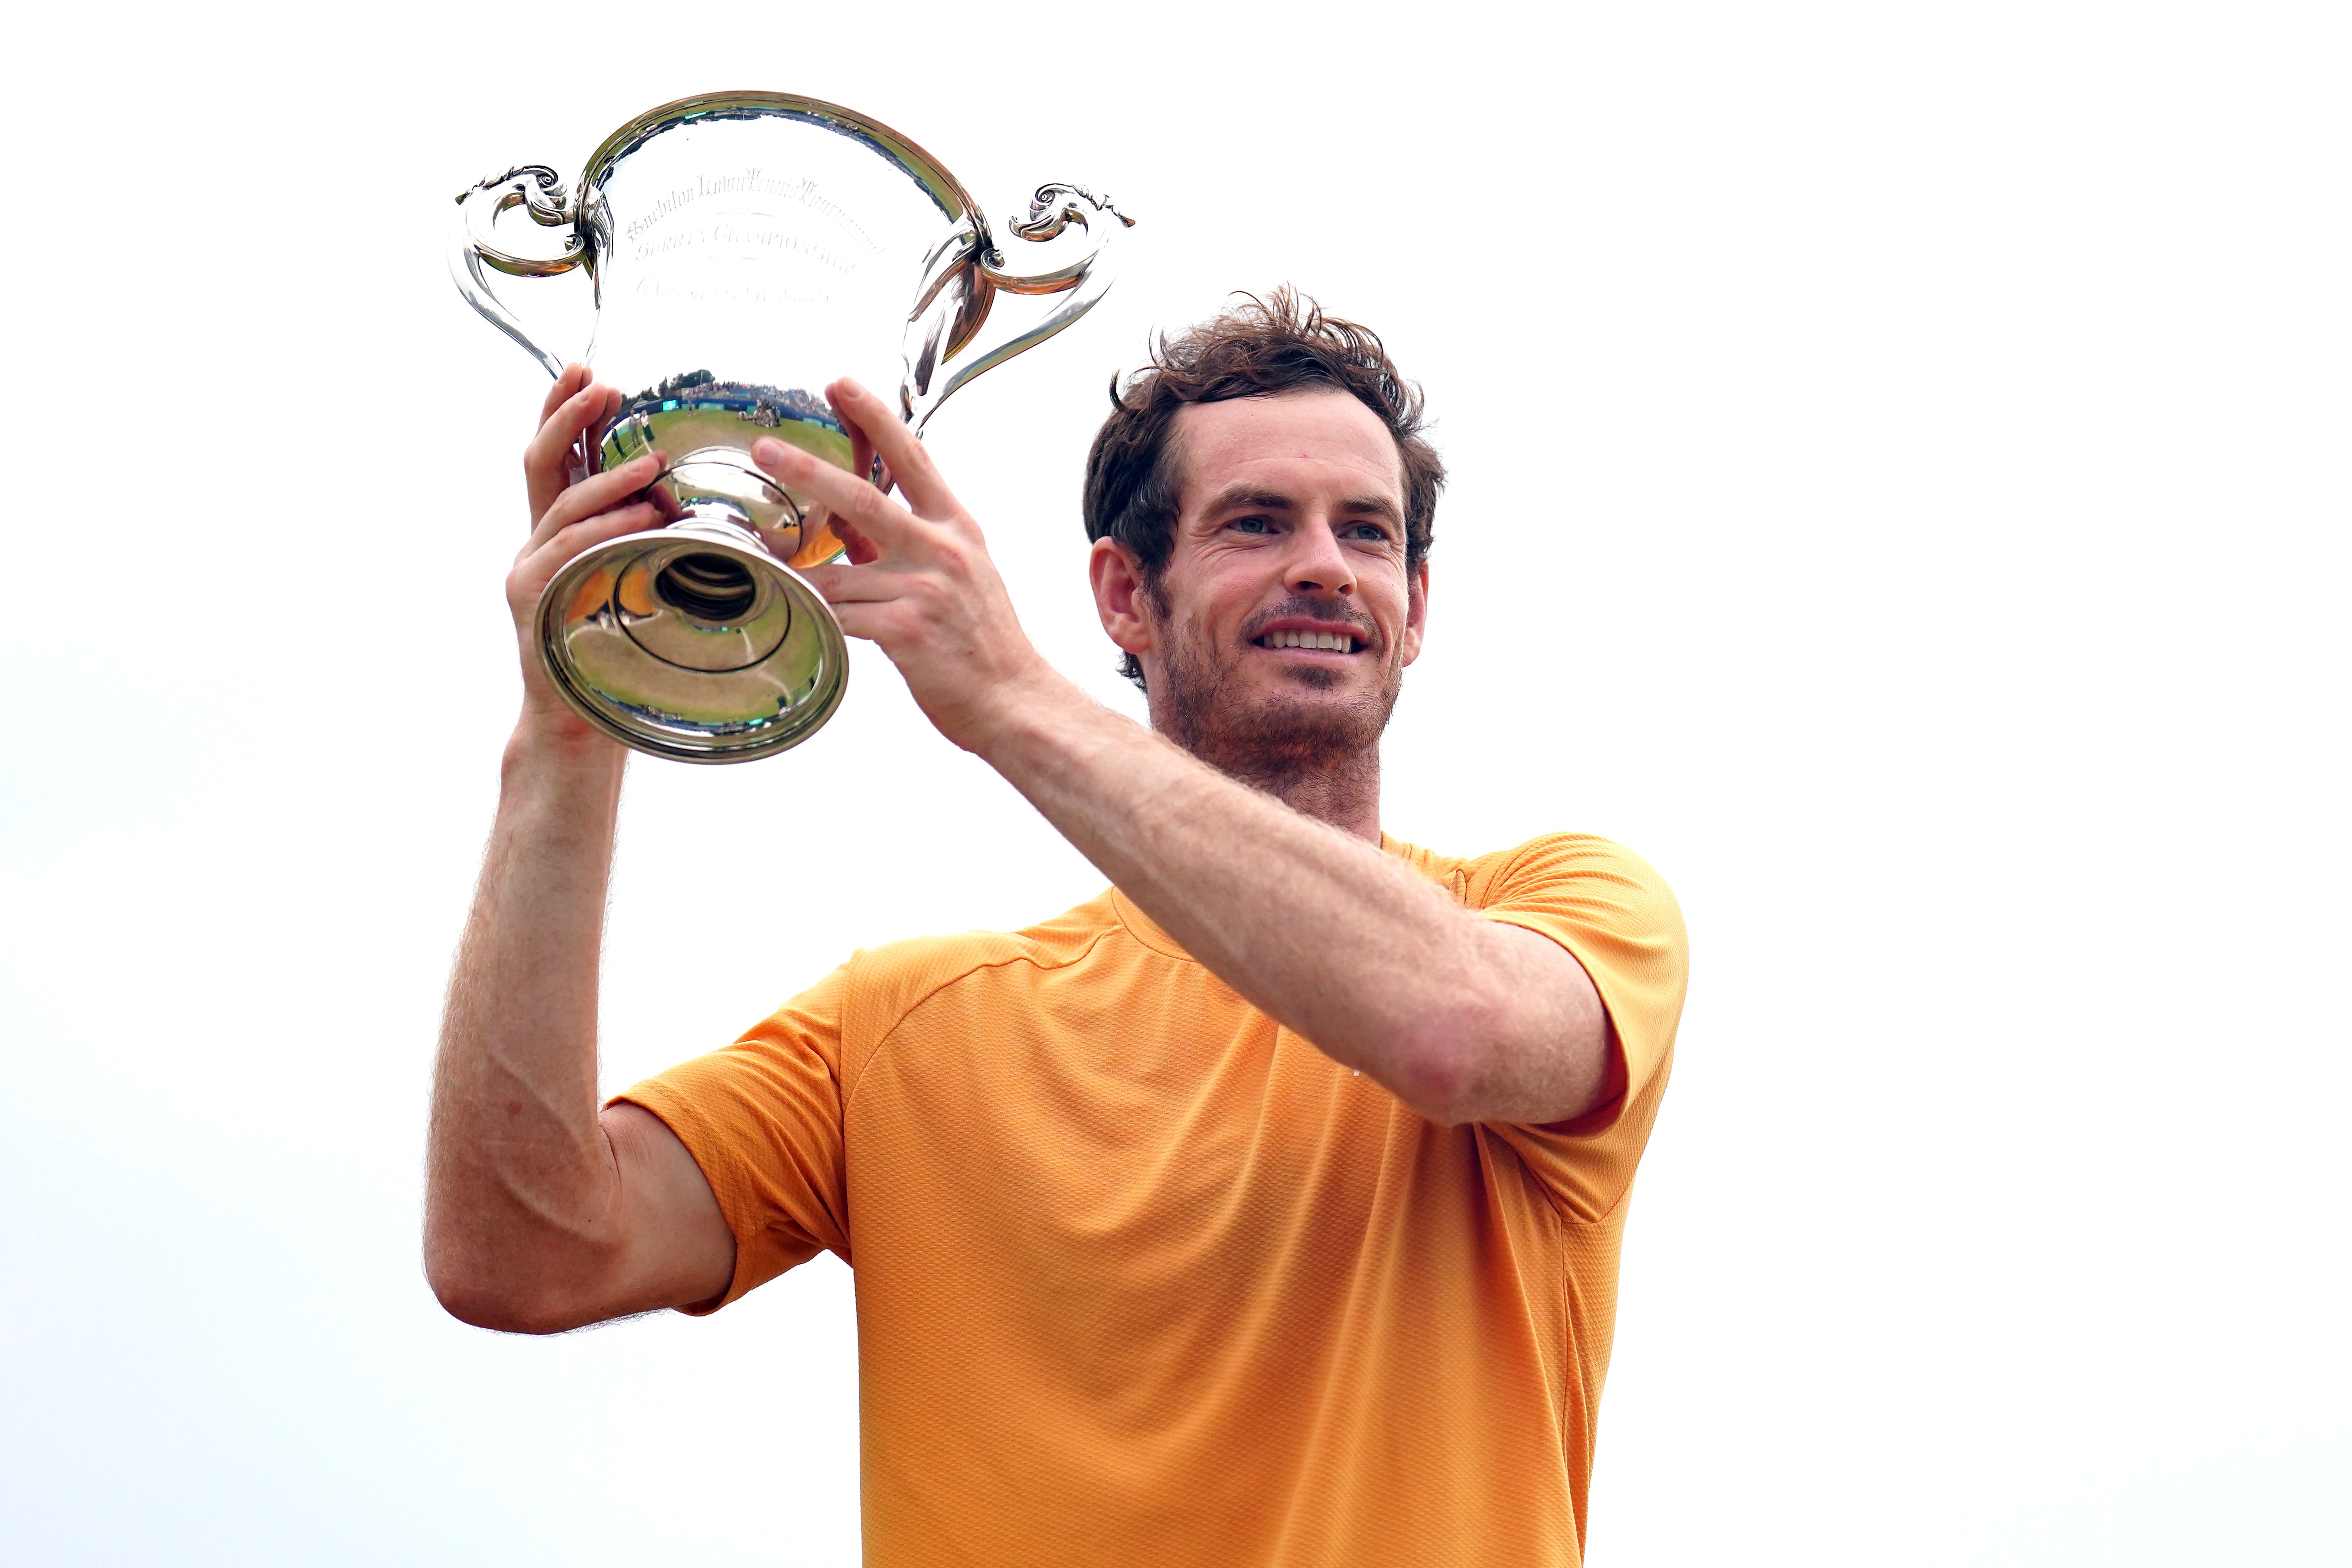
{"x": 919, "y": 580}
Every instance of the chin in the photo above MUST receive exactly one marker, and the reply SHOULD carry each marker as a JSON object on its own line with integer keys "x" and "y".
{"x": 1302, "y": 720}
{"x": 1316, "y": 678}
{"x": 1253, "y": 720}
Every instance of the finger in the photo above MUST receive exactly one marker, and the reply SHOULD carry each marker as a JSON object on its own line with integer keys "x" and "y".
{"x": 574, "y": 378}
{"x": 918, "y": 478}
{"x": 547, "y": 460}
{"x": 604, "y": 406}
{"x": 873, "y": 622}
{"x": 861, "y": 454}
{"x": 849, "y": 497}
{"x": 591, "y": 434}
{"x": 578, "y": 426}
{"x": 562, "y": 424}
{"x": 594, "y": 494}
{"x": 838, "y": 584}
{"x": 598, "y": 492}
{"x": 866, "y": 465}
{"x": 534, "y": 570}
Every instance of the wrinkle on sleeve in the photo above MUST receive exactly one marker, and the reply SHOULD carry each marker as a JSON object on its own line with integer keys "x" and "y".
{"x": 1618, "y": 918}
{"x": 762, "y": 1118}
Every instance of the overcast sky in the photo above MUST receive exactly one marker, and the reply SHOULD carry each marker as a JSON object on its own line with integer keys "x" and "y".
{"x": 1899, "y": 488}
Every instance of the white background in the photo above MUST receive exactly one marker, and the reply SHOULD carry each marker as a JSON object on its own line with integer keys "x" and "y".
{"x": 1899, "y": 488}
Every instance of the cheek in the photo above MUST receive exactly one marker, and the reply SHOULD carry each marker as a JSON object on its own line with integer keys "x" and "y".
{"x": 1211, "y": 606}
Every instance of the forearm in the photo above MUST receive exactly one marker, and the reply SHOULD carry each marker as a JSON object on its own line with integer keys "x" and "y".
{"x": 1348, "y": 946}
{"x": 522, "y": 1194}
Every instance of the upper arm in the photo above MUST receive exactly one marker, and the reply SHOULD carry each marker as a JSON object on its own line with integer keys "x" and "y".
{"x": 1604, "y": 909}
{"x": 1571, "y": 1003}
{"x": 678, "y": 1250}
{"x": 733, "y": 1161}
{"x": 1547, "y": 1053}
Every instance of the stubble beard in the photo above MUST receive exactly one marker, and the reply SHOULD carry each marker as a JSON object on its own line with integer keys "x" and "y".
{"x": 1306, "y": 752}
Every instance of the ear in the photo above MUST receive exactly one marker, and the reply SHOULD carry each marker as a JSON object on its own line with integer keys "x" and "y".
{"x": 1416, "y": 611}
{"x": 1118, "y": 583}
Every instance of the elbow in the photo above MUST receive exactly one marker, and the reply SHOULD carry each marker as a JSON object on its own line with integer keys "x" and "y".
{"x": 503, "y": 1311}
{"x": 482, "y": 1309}
{"x": 1482, "y": 1062}
{"x": 485, "y": 1296}
{"x": 1438, "y": 1072}
{"x": 475, "y": 1307}
{"x": 1451, "y": 1067}
{"x": 1436, "y": 1096}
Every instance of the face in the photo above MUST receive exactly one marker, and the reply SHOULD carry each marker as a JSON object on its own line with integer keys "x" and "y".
{"x": 1285, "y": 615}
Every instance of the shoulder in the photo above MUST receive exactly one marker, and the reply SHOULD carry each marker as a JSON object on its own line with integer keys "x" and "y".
{"x": 885, "y": 983}
{"x": 1557, "y": 858}
{"x": 1551, "y": 862}
{"x": 1594, "y": 896}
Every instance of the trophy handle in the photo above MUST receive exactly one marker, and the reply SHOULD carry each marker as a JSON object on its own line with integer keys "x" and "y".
{"x": 538, "y": 190}
{"x": 946, "y": 346}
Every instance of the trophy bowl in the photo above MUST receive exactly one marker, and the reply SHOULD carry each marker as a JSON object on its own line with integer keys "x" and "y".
{"x": 744, "y": 249}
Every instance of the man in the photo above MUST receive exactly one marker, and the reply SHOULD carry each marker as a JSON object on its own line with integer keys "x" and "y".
{"x": 1263, "y": 1210}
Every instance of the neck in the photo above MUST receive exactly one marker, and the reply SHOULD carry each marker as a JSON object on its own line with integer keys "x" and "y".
{"x": 1345, "y": 793}
{"x": 1340, "y": 787}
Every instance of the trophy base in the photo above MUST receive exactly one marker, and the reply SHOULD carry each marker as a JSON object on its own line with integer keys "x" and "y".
{"x": 694, "y": 642}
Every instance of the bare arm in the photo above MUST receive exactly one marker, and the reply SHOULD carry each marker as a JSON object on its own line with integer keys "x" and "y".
{"x": 1462, "y": 1018}
{"x": 541, "y": 1215}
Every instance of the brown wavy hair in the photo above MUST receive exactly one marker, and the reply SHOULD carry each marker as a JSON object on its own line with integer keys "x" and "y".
{"x": 1256, "y": 348}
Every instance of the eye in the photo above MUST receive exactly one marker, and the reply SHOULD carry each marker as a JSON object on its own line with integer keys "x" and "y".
{"x": 1368, "y": 532}
{"x": 1251, "y": 525}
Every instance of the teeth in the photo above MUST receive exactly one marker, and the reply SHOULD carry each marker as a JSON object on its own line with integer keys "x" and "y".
{"x": 1332, "y": 642}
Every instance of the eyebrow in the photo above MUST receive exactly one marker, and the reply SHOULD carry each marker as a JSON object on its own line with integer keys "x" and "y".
{"x": 1242, "y": 497}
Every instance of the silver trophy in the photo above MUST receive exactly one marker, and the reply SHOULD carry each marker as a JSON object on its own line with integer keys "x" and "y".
{"x": 745, "y": 248}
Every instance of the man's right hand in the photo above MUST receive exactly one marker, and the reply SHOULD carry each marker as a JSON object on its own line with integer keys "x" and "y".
{"x": 569, "y": 515}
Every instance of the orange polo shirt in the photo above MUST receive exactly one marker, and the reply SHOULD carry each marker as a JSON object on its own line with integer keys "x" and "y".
{"x": 1144, "y": 1279}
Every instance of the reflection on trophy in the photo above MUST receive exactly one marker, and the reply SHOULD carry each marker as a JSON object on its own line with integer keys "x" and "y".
{"x": 745, "y": 248}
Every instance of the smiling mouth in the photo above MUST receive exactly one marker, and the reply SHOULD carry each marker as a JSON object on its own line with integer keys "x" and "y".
{"x": 1320, "y": 642}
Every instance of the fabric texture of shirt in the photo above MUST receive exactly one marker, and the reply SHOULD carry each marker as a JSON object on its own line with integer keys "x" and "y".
{"x": 1144, "y": 1279}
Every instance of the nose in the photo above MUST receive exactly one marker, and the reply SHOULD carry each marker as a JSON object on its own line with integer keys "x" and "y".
{"x": 1317, "y": 564}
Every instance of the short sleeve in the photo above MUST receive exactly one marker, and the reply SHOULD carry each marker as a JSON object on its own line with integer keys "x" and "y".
{"x": 1616, "y": 915}
{"x": 763, "y": 1119}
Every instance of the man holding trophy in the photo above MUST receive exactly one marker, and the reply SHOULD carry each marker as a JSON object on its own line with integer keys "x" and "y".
{"x": 1265, "y": 1209}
